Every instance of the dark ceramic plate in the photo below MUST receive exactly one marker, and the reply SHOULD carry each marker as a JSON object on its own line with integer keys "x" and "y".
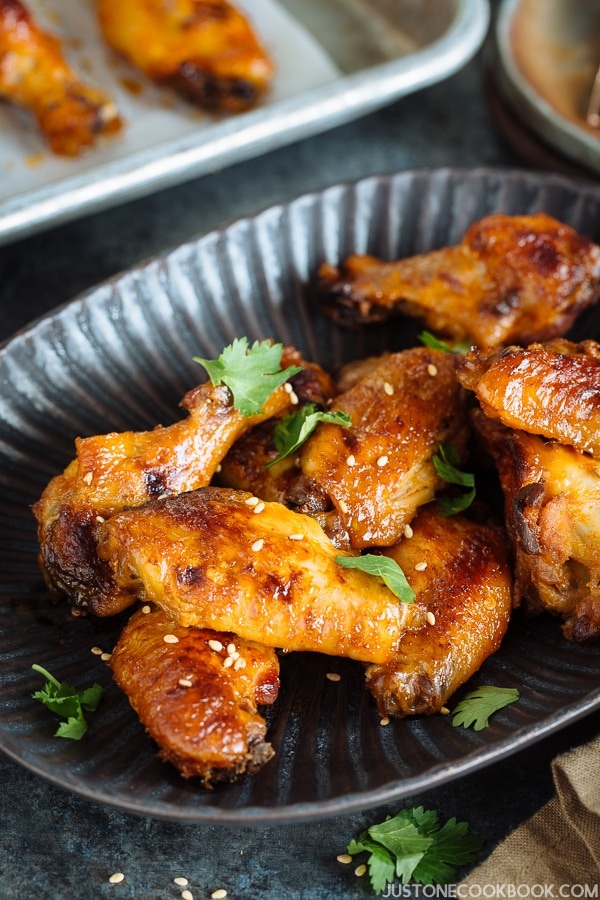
{"x": 120, "y": 357}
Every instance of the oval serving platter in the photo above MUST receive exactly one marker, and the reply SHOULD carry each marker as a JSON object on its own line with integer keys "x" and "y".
{"x": 120, "y": 357}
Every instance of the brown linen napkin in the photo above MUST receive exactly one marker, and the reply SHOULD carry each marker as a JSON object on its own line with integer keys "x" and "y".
{"x": 559, "y": 846}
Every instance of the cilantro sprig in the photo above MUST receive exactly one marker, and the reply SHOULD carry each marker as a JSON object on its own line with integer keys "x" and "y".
{"x": 251, "y": 373}
{"x": 415, "y": 847}
{"x": 295, "y": 428}
{"x": 445, "y": 463}
{"x": 64, "y": 700}
{"x": 476, "y": 708}
{"x": 385, "y": 568}
{"x": 435, "y": 343}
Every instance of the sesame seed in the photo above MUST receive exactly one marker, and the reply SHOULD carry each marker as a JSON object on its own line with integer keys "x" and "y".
{"x": 218, "y": 468}
{"x": 382, "y": 461}
{"x": 344, "y": 858}
{"x": 100, "y": 520}
{"x": 408, "y": 532}
{"x": 231, "y": 649}
{"x": 220, "y": 894}
{"x": 296, "y": 537}
{"x": 187, "y": 895}
{"x": 333, "y": 676}
{"x": 185, "y": 682}
{"x": 360, "y": 871}
{"x": 294, "y": 398}
{"x": 431, "y": 369}
{"x": 117, "y": 878}
{"x": 385, "y": 720}
{"x": 420, "y": 567}
{"x": 351, "y": 461}
{"x": 258, "y": 545}
{"x": 343, "y": 506}
{"x": 180, "y": 881}
{"x": 228, "y": 661}
{"x": 288, "y": 388}
{"x": 259, "y": 507}
{"x": 240, "y": 663}
{"x": 97, "y": 651}
{"x": 251, "y": 501}
{"x": 171, "y": 639}
{"x": 215, "y": 645}
{"x": 445, "y": 711}
{"x": 88, "y": 477}
{"x": 431, "y": 618}
{"x": 146, "y": 609}
{"x": 105, "y": 657}
{"x": 388, "y": 388}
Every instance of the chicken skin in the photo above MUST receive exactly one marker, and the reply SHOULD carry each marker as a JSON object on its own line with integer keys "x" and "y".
{"x": 513, "y": 279}
{"x": 550, "y": 389}
{"x": 35, "y": 74}
{"x": 196, "y": 692}
{"x": 552, "y": 498}
{"x": 365, "y": 482}
{"x": 206, "y": 50}
{"x": 127, "y": 469}
{"x": 466, "y": 589}
{"x": 218, "y": 558}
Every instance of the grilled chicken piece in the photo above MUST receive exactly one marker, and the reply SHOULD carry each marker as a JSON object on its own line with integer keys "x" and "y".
{"x": 513, "y": 279}
{"x": 365, "y": 482}
{"x": 217, "y": 558}
{"x": 552, "y": 498}
{"x": 466, "y": 588}
{"x": 549, "y": 389}
{"x": 200, "y": 710}
{"x": 35, "y": 74}
{"x": 126, "y": 469}
{"x": 206, "y": 50}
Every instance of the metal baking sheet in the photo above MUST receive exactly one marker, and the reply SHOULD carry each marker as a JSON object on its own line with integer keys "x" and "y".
{"x": 336, "y": 60}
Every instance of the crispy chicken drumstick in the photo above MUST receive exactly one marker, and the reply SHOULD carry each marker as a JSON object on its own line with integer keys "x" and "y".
{"x": 35, "y": 74}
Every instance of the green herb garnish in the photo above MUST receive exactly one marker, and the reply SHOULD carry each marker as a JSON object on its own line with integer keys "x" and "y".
{"x": 434, "y": 343}
{"x": 445, "y": 465}
{"x": 64, "y": 700}
{"x": 385, "y": 568}
{"x": 295, "y": 428}
{"x": 251, "y": 373}
{"x": 414, "y": 847}
{"x": 476, "y": 708}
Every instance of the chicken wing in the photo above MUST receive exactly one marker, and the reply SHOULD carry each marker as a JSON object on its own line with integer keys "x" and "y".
{"x": 196, "y": 692}
{"x": 206, "y": 50}
{"x": 552, "y": 498}
{"x": 118, "y": 470}
{"x": 218, "y": 558}
{"x": 466, "y": 588}
{"x": 548, "y": 389}
{"x": 365, "y": 482}
{"x": 35, "y": 74}
{"x": 513, "y": 279}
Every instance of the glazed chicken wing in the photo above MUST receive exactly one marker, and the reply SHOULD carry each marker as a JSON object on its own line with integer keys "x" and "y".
{"x": 513, "y": 279}
{"x": 218, "y": 558}
{"x": 119, "y": 470}
{"x": 552, "y": 499}
{"x": 365, "y": 482}
{"x": 35, "y": 74}
{"x": 197, "y": 694}
{"x": 466, "y": 588}
{"x": 548, "y": 389}
{"x": 206, "y": 50}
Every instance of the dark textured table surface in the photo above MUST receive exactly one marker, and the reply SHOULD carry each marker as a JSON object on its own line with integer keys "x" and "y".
{"x": 55, "y": 845}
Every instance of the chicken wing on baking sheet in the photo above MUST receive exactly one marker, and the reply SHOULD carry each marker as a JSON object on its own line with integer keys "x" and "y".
{"x": 552, "y": 497}
{"x": 550, "y": 389}
{"x": 196, "y": 692}
{"x": 206, "y": 50}
{"x": 219, "y": 558}
{"x": 512, "y": 279}
{"x": 35, "y": 74}
{"x": 118, "y": 470}
{"x": 466, "y": 589}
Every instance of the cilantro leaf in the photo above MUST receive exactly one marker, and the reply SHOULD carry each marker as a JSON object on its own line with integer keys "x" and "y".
{"x": 434, "y": 343}
{"x": 414, "y": 847}
{"x": 295, "y": 428}
{"x": 250, "y": 373}
{"x": 445, "y": 465}
{"x": 64, "y": 700}
{"x": 476, "y": 708}
{"x": 383, "y": 566}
